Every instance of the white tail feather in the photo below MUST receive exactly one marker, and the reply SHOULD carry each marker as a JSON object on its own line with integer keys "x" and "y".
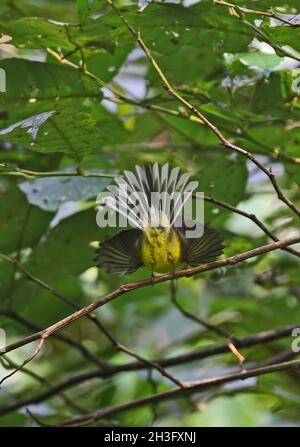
{"x": 133, "y": 195}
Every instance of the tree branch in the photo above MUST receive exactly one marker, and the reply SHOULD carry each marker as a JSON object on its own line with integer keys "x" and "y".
{"x": 224, "y": 141}
{"x": 219, "y": 331}
{"x": 252, "y": 217}
{"x": 192, "y": 387}
{"x": 275, "y": 154}
{"x": 68, "y": 339}
{"x": 55, "y": 293}
{"x": 64, "y": 338}
{"x": 44, "y": 334}
{"x": 32, "y": 175}
{"x": 200, "y": 354}
{"x": 9, "y": 364}
{"x": 143, "y": 360}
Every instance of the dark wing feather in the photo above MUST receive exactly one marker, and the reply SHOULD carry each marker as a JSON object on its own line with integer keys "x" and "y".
{"x": 203, "y": 249}
{"x": 121, "y": 253}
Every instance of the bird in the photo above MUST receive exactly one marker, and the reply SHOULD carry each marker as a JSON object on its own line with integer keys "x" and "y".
{"x": 156, "y": 240}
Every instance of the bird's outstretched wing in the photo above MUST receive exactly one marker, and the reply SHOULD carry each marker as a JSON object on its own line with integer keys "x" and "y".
{"x": 121, "y": 253}
{"x": 204, "y": 249}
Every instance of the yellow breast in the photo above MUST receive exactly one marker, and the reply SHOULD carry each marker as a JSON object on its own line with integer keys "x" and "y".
{"x": 161, "y": 249}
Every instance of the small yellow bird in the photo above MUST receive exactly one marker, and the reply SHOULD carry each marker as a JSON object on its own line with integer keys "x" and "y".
{"x": 156, "y": 242}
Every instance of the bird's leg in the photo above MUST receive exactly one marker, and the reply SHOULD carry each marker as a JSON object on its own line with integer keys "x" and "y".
{"x": 152, "y": 267}
{"x": 173, "y": 289}
{"x": 152, "y": 275}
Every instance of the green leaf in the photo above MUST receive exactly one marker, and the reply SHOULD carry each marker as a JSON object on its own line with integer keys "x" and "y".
{"x": 85, "y": 8}
{"x": 223, "y": 176}
{"x": 265, "y": 61}
{"x": 57, "y": 256}
{"x": 58, "y": 259}
{"x": 13, "y": 420}
{"x": 270, "y": 93}
{"x": 80, "y": 125}
{"x": 37, "y": 32}
{"x": 293, "y": 170}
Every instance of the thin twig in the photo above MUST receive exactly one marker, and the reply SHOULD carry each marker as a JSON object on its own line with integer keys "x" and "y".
{"x": 27, "y": 360}
{"x": 256, "y": 12}
{"x": 141, "y": 359}
{"x": 10, "y": 364}
{"x": 252, "y": 217}
{"x": 211, "y": 327}
{"x": 32, "y": 175}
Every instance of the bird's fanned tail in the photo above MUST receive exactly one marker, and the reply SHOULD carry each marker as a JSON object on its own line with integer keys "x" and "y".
{"x": 172, "y": 188}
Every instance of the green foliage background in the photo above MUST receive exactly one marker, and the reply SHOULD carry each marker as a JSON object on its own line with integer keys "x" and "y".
{"x": 209, "y": 54}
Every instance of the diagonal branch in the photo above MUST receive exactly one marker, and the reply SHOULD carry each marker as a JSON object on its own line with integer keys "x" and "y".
{"x": 224, "y": 141}
{"x": 65, "y": 338}
{"x": 195, "y": 386}
{"x": 51, "y": 290}
{"x": 211, "y": 327}
{"x": 143, "y": 360}
{"x": 158, "y": 109}
{"x": 10, "y": 364}
{"x": 44, "y": 334}
{"x": 70, "y": 340}
{"x": 219, "y": 331}
{"x": 252, "y": 217}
